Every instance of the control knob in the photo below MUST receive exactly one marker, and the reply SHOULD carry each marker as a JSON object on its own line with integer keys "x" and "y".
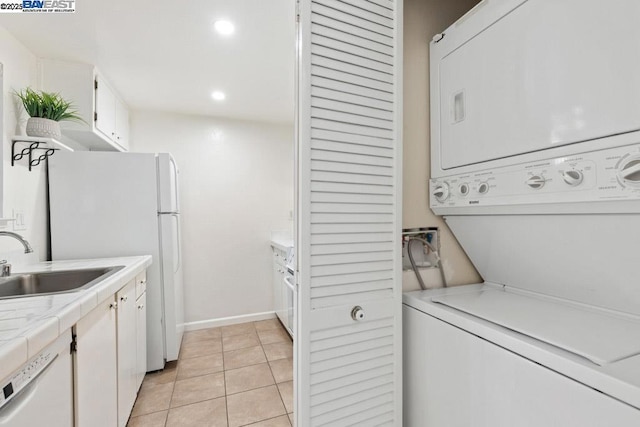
{"x": 463, "y": 189}
{"x": 536, "y": 182}
{"x": 483, "y": 188}
{"x": 630, "y": 171}
{"x": 441, "y": 192}
{"x": 573, "y": 177}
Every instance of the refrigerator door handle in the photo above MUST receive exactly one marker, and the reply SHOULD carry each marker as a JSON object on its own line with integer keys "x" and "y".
{"x": 175, "y": 182}
{"x": 179, "y": 239}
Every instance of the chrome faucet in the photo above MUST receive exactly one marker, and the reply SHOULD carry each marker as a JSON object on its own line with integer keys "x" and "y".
{"x": 19, "y": 238}
{"x": 6, "y": 267}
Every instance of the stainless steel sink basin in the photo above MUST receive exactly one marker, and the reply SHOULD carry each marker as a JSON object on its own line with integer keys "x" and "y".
{"x": 31, "y": 284}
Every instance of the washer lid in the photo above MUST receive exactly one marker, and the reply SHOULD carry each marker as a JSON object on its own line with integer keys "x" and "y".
{"x": 597, "y": 335}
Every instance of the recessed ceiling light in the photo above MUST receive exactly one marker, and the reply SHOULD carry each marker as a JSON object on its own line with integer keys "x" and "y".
{"x": 223, "y": 27}
{"x": 218, "y": 96}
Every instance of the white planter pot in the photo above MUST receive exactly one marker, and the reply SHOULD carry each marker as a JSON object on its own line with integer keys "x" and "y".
{"x": 43, "y": 128}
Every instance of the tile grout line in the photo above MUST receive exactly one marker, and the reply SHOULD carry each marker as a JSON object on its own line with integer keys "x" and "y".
{"x": 278, "y": 388}
{"x": 223, "y": 372}
{"x": 226, "y": 400}
{"x": 224, "y": 376}
{"x": 197, "y": 376}
{"x": 190, "y": 403}
{"x": 205, "y": 400}
{"x": 267, "y": 419}
{"x": 263, "y": 387}
{"x": 166, "y": 420}
{"x": 247, "y": 366}
{"x": 226, "y": 404}
{"x": 265, "y": 356}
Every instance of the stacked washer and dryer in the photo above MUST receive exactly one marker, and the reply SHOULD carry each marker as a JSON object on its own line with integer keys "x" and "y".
{"x": 536, "y": 169}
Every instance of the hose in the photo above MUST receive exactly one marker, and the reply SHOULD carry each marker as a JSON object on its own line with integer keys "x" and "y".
{"x": 415, "y": 267}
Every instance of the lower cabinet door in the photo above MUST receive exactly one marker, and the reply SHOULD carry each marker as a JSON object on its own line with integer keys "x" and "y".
{"x": 127, "y": 347}
{"x": 284, "y": 301}
{"x": 95, "y": 369}
{"x": 277, "y": 284}
{"x": 141, "y": 339}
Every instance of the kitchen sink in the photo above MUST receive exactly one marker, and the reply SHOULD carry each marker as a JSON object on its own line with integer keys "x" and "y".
{"x": 52, "y": 282}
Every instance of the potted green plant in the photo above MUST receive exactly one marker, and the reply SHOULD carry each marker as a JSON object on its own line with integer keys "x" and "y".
{"x": 46, "y": 110}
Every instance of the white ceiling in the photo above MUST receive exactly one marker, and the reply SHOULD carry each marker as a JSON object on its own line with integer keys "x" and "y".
{"x": 164, "y": 55}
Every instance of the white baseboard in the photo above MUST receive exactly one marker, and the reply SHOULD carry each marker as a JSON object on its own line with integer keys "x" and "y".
{"x": 225, "y": 321}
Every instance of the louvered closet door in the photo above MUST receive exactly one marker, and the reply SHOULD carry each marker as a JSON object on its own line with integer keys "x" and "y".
{"x": 348, "y": 372}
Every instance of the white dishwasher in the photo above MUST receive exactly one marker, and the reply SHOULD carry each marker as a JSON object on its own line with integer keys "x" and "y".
{"x": 40, "y": 393}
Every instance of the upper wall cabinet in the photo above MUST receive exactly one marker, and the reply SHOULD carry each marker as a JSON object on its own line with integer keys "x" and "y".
{"x": 106, "y": 117}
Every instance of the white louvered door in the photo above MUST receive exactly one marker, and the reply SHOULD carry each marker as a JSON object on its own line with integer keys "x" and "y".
{"x": 349, "y": 151}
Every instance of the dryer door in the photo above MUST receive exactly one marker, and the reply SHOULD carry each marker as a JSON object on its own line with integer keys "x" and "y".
{"x": 549, "y": 73}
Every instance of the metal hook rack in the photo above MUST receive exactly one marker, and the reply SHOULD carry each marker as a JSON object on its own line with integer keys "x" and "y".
{"x": 44, "y": 145}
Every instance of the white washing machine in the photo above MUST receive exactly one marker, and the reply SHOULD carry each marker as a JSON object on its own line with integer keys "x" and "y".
{"x": 487, "y": 356}
{"x": 536, "y": 169}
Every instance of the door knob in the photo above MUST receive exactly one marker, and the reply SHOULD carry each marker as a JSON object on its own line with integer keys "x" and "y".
{"x": 357, "y": 313}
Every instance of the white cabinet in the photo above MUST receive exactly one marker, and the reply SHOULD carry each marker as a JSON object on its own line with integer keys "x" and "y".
{"x": 127, "y": 351}
{"x": 122, "y": 125}
{"x": 141, "y": 328}
{"x": 95, "y": 367}
{"x": 279, "y": 288}
{"x": 110, "y": 360}
{"x": 106, "y": 117}
{"x": 111, "y": 115}
{"x": 105, "y": 111}
{"x": 141, "y": 339}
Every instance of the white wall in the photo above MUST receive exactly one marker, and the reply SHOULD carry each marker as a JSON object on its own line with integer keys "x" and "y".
{"x": 236, "y": 187}
{"x": 23, "y": 190}
{"x": 27, "y": 191}
{"x": 422, "y": 20}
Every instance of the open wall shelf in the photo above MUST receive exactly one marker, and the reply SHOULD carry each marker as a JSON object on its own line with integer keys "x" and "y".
{"x": 34, "y": 149}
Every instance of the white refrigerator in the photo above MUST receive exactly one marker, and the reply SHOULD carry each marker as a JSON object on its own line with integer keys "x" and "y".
{"x": 105, "y": 204}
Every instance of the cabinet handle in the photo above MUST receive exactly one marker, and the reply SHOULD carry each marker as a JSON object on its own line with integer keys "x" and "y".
{"x": 124, "y": 298}
{"x": 113, "y": 305}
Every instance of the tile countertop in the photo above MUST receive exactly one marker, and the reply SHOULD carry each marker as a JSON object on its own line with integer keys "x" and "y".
{"x": 29, "y": 324}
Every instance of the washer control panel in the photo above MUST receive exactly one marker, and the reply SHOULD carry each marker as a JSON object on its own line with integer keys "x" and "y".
{"x": 595, "y": 176}
{"x": 21, "y": 379}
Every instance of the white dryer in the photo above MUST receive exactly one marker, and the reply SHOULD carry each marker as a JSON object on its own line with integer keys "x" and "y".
{"x": 536, "y": 169}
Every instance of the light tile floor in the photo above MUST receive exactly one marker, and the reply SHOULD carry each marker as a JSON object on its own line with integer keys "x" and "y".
{"x": 238, "y": 375}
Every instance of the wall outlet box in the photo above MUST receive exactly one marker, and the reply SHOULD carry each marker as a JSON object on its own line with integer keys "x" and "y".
{"x": 422, "y": 255}
{"x": 19, "y": 220}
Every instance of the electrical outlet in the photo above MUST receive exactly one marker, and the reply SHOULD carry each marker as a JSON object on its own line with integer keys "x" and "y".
{"x": 19, "y": 220}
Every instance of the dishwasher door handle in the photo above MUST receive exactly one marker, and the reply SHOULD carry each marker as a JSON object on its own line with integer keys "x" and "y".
{"x": 21, "y": 398}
